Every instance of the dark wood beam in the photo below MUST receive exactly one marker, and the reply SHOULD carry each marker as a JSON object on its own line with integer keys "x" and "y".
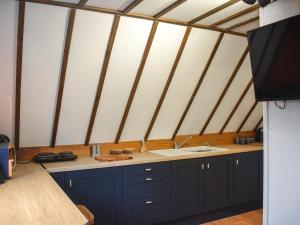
{"x": 132, "y": 5}
{"x": 19, "y": 72}
{"x": 236, "y": 15}
{"x": 63, "y": 75}
{"x": 236, "y": 70}
{"x": 236, "y": 106}
{"x": 82, "y": 3}
{"x": 168, "y": 82}
{"x": 247, "y": 117}
{"x": 138, "y": 16}
{"x": 103, "y": 72}
{"x": 169, "y": 8}
{"x": 258, "y": 123}
{"x": 243, "y": 23}
{"x": 213, "y": 11}
{"x": 187, "y": 108}
{"x": 137, "y": 80}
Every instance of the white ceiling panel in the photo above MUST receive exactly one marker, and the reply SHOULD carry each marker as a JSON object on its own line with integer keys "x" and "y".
{"x": 240, "y": 19}
{"x": 224, "y": 63}
{"x": 109, "y": 4}
{"x": 241, "y": 111}
{"x": 126, "y": 55}
{"x": 248, "y": 27}
{"x": 233, "y": 94}
{"x": 193, "y": 8}
{"x": 44, "y": 36}
{"x": 165, "y": 46}
{"x": 150, "y": 7}
{"x": 235, "y": 8}
{"x": 90, "y": 37}
{"x": 254, "y": 118}
{"x": 69, "y": 1}
{"x": 189, "y": 70}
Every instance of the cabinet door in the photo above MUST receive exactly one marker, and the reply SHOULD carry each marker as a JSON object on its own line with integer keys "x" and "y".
{"x": 248, "y": 176}
{"x": 187, "y": 184}
{"x": 100, "y": 190}
{"x": 218, "y": 182}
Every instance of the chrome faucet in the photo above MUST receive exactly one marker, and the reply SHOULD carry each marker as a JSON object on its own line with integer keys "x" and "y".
{"x": 179, "y": 145}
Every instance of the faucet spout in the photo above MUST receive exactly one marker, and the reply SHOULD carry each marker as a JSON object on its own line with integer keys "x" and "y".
{"x": 179, "y": 145}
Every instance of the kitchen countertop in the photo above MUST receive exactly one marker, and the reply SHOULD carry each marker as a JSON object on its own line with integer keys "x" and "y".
{"x": 83, "y": 163}
{"x": 33, "y": 197}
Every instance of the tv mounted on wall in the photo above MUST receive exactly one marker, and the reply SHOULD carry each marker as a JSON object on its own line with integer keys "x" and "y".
{"x": 275, "y": 60}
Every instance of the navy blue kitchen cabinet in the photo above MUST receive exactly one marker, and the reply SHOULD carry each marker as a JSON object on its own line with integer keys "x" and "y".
{"x": 248, "y": 176}
{"x": 100, "y": 190}
{"x": 60, "y": 179}
{"x": 187, "y": 192}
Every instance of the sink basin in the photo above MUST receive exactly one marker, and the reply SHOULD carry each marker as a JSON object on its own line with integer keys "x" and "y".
{"x": 188, "y": 151}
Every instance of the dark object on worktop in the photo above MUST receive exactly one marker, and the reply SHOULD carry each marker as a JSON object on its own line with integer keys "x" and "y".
{"x": 260, "y": 135}
{"x": 2, "y": 178}
{"x": 45, "y": 157}
{"x": 4, "y": 139}
{"x": 244, "y": 140}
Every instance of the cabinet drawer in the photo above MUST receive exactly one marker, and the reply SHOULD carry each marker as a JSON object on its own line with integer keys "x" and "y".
{"x": 146, "y": 185}
{"x": 147, "y": 211}
{"x": 145, "y": 169}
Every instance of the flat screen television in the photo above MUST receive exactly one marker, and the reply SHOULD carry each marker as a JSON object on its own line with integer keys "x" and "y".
{"x": 275, "y": 60}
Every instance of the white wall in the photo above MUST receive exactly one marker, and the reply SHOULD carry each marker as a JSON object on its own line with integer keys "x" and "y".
{"x": 8, "y": 40}
{"x": 281, "y": 145}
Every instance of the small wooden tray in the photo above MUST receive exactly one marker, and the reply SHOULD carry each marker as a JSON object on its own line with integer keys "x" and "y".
{"x": 111, "y": 158}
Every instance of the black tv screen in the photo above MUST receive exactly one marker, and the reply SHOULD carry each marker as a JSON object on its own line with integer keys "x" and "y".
{"x": 275, "y": 60}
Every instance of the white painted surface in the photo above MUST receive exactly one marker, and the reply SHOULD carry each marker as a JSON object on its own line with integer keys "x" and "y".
{"x": 217, "y": 76}
{"x": 125, "y": 58}
{"x": 110, "y": 4}
{"x": 248, "y": 27}
{"x": 241, "y": 19}
{"x": 165, "y": 46}
{"x": 44, "y": 36}
{"x": 184, "y": 81}
{"x": 150, "y": 7}
{"x": 8, "y": 45}
{"x": 281, "y": 143}
{"x": 88, "y": 46}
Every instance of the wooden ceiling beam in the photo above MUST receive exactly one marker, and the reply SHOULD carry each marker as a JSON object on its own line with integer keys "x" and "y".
{"x": 236, "y": 15}
{"x": 258, "y": 123}
{"x": 169, "y": 8}
{"x": 103, "y": 72}
{"x": 168, "y": 82}
{"x": 243, "y": 23}
{"x": 236, "y": 70}
{"x": 63, "y": 75}
{"x": 213, "y": 11}
{"x": 133, "y": 15}
{"x": 19, "y": 60}
{"x": 247, "y": 117}
{"x": 82, "y": 3}
{"x": 187, "y": 108}
{"x": 132, "y": 5}
{"x": 137, "y": 80}
{"x": 236, "y": 106}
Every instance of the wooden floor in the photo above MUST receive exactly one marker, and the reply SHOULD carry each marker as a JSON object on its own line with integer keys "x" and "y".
{"x": 250, "y": 218}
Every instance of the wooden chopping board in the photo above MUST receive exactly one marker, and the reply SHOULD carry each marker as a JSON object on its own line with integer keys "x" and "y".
{"x": 111, "y": 158}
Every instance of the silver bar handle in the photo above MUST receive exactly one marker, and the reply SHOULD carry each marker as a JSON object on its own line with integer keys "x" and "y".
{"x": 148, "y": 179}
{"x": 208, "y": 166}
{"x": 148, "y": 202}
{"x": 148, "y": 169}
{"x": 70, "y": 183}
{"x": 202, "y": 166}
{"x": 237, "y": 162}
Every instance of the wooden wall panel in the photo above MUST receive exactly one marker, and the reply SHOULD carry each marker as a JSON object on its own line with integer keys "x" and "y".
{"x": 190, "y": 67}
{"x": 44, "y": 36}
{"x": 219, "y": 73}
{"x": 241, "y": 111}
{"x": 126, "y": 55}
{"x": 90, "y": 37}
{"x": 150, "y": 7}
{"x": 253, "y": 118}
{"x": 235, "y": 90}
{"x": 192, "y": 9}
{"x": 224, "y": 13}
{"x": 168, "y": 37}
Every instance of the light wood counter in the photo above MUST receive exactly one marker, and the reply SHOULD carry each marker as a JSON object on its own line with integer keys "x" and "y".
{"x": 83, "y": 163}
{"x": 32, "y": 197}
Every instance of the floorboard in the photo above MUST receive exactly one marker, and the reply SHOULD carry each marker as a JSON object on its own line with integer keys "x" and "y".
{"x": 250, "y": 218}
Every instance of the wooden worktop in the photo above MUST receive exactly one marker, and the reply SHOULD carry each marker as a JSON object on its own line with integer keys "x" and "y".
{"x": 139, "y": 158}
{"x": 32, "y": 197}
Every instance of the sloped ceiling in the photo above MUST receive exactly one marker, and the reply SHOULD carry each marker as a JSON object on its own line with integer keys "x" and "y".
{"x": 138, "y": 84}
